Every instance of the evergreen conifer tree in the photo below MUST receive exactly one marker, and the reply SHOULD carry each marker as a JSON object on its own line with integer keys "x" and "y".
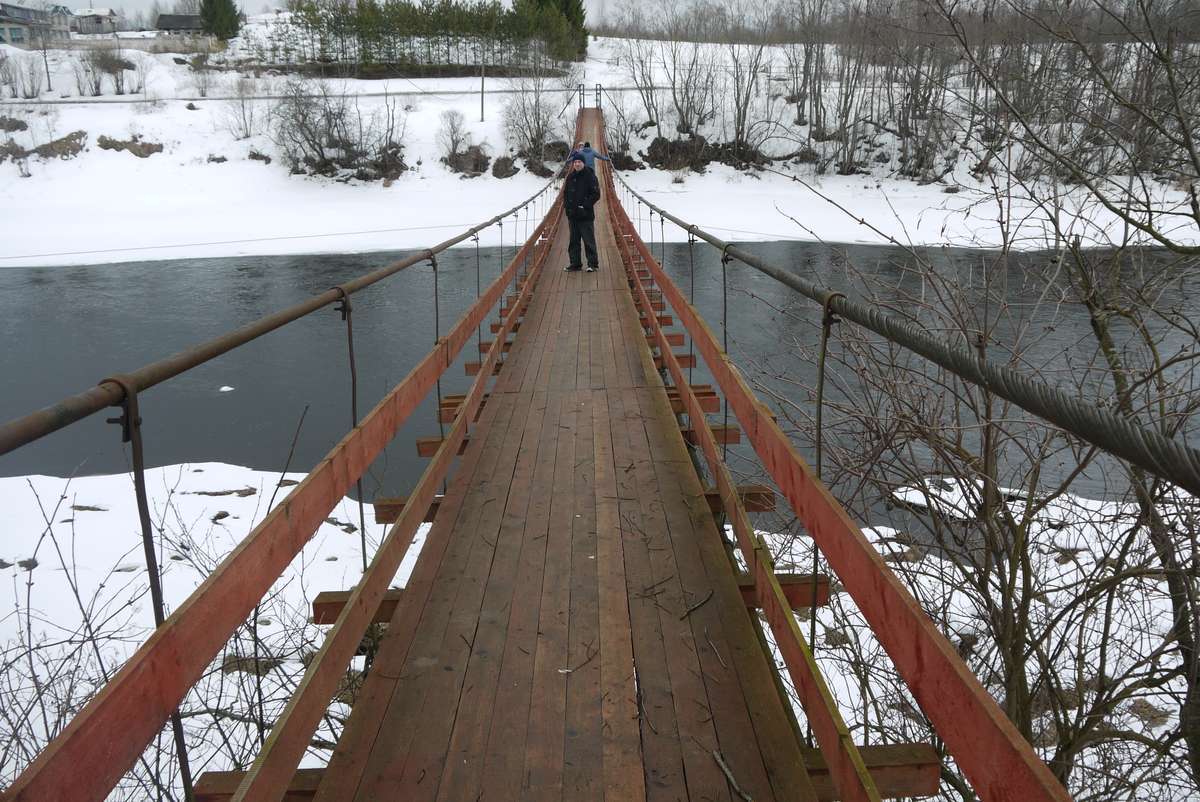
{"x": 220, "y": 18}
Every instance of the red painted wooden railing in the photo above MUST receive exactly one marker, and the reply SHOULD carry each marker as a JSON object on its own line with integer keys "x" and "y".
{"x": 999, "y": 763}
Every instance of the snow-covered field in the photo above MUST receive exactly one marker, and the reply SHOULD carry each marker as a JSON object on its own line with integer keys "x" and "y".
{"x": 106, "y": 206}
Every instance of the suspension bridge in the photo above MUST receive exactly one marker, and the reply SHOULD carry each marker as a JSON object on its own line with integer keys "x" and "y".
{"x": 577, "y": 626}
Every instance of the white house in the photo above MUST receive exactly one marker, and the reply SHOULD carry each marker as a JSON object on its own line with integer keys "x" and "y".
{"x": 94, "y": 20}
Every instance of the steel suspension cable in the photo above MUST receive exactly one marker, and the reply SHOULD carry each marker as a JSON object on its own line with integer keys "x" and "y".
{"x": 1169, "y": 459}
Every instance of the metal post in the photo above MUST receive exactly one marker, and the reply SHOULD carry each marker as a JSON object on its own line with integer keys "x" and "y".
{"x": 346, "y": 310}
{"x": 691, "y": 299}
{"x": 725, "y": 258}
{"x": 827, "y": 321}
{"x": 662, "y": 240}
{"x": 131, "y": 432}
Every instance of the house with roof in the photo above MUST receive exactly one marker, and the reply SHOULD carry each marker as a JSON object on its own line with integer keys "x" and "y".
{"x": 23, "y": 26}
{"x": 94, "y": 20}
{"x": 60, "y": 22}
{"x": 179, "y": 24}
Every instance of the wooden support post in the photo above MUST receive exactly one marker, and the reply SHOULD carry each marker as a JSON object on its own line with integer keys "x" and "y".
{"x": 684, "y": 360}
{"x": 472, "y": 368}
{"x": 495, "y": 327}
{"x": 708, "y": 399}
{"x": 328, "y": 604}
{"x": 722, "y": 434}
{"x": 219, "y": 786}
{"x": 485, "y": 346}
{"x": 450, "y": 404}
{"x": 663, "y": 320}
{"x": 797, "y": 588}
{"x": 755, "y": 498}
{"x": 428, "y": 446}
{"x": 387, "y": 510}
{"x": 899, "y": 770}
{"x": 674, "y": 338}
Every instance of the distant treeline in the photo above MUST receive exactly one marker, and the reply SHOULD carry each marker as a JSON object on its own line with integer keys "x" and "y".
{"x": 370, "y": 32}
{"x": 779, "y": 22}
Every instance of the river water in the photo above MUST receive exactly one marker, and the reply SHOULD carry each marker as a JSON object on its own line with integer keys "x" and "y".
{"x": 63, "y": 329}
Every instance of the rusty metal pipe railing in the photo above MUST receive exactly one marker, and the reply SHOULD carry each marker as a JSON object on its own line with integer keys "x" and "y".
{"x": 24, "y": 430}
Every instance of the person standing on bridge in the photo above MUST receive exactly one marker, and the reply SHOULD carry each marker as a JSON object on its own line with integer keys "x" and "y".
{"x": 580, "y": 194}
{"x": 589, "y": 155}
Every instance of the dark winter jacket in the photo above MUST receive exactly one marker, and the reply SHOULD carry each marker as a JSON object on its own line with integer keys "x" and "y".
{"x": 580, "y": 194}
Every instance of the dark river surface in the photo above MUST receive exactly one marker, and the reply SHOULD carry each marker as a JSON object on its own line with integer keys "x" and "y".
{"x": 63, "y": 329}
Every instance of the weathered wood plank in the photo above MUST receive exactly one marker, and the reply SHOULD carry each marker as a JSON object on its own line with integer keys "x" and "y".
{"x": 899, "y": 770}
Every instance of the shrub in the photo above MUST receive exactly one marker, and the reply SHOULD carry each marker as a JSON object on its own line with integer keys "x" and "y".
{"x": 324, "y": 133}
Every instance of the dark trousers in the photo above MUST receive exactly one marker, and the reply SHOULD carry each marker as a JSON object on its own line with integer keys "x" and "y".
{"x": 585, "y": 230}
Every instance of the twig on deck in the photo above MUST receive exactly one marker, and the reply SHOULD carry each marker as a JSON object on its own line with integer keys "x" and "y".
{"x": 737, "y": 789}
{"x": 591, "y": 655}
{"x": 713, "y": 646}
{"x": 696, "y": 606}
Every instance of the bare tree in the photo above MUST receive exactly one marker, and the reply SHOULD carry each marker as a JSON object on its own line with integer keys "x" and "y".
{"x": 689, "y": 67}
{"x": 242, "y": 116}
{"x": 326, "y": 133}
{"x": 453, "y": 136}
{"x": 532, "y": 117}
{"x": 203, "y": 75}
{"x": 89, "y": 78}
{"x": 25, "y": 76}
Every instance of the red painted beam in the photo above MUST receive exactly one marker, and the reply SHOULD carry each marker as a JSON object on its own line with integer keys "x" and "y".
{"x": 272, "y": 771}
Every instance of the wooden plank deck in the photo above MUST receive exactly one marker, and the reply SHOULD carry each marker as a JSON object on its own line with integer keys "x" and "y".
{"x": 543, "y": 647}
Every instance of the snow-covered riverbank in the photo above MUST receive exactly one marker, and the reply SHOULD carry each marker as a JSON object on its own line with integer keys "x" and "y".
{"x": 209, "y": 193}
